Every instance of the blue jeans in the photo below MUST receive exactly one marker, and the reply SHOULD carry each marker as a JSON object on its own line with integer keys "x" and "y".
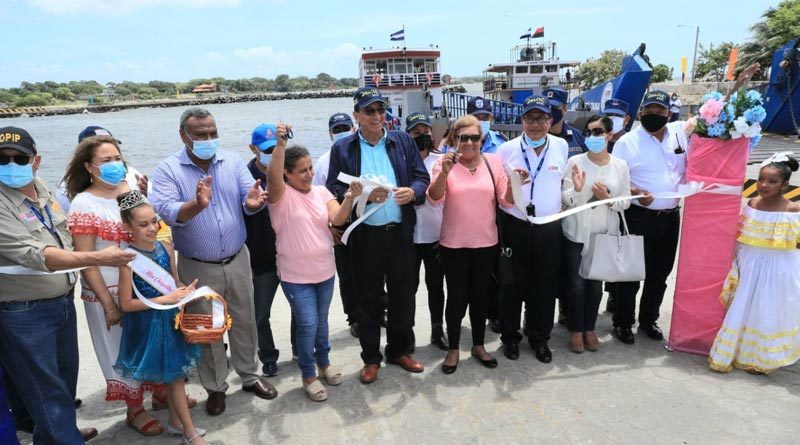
{"x": 8, "y": 433}
{"x": 310, "y": 304}
{"x": 39, "y": 349}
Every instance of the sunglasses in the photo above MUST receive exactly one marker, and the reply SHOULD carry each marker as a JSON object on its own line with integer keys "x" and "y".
{"x": 340, "y": 129}
{"x": 595, "y": 131}
{"x": 18, "y": 159}
{"x": 469, "y": 137}
{"x": 373, "y": 111}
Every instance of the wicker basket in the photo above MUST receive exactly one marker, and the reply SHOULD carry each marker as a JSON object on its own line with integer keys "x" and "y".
{"x": 197, "y": 328}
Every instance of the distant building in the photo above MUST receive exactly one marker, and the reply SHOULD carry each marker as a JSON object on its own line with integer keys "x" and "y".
{"x": 205, "y": 88}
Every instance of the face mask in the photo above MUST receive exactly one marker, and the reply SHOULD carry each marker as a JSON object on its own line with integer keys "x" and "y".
{"x": 205, "y": 150}
{"x": 595, "y": 144}
{"x": 112, "y": 173}
{"x": 653, "y": 122}
{"x": 264, "y": 158}
{"x": 341, "y": 135}
{"x": 16, "y": 176}
{"x": 619, "y": 123}
{"x": 558, "y": 114}
{"x": 485, "y": 125}
{"x": 424, "y": 142}
{"x": 535, "y": 144}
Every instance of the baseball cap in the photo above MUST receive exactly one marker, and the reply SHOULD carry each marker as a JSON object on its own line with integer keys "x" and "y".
{"x": 615, "y": 107}
{"x": 94, "y": 130}
{"x": 536, "y": 102}
{"x": 367, "y": 95}
{"x": 479, "y": 105}
{"x": 415, "y": 119}
{"x": 339, "y": 119}
{"x": 18, "y": 139}
{"x": 265, "y": 136}
{"x": 557, "y": 96}
{"x": 656, "y": 97}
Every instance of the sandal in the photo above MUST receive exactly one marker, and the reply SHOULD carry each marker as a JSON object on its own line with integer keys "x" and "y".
{"x": 332, "y": 375}
{"x": 151, "y": 428}
{"x": 159, "y": 403}
{"x": 179, "y": 431}
{"x": 189, "y": 440}
{"x": 316, "y": 391}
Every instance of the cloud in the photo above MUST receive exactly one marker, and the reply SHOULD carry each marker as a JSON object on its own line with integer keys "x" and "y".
{"x": 265, "y": 60}
{"x": 117, "y": 7}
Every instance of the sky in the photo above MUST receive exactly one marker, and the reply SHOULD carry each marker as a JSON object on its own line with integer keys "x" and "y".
{"x": 179, "y": 40}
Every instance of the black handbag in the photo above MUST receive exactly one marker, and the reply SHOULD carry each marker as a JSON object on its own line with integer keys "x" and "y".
{"x": 503, "y": 272}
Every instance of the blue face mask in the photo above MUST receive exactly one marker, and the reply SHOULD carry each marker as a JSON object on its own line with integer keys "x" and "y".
{"x": 264, "y": 158}
{"x": 595, "y": 144}
{"x": 342, "y": 135}
{"x": 485, "y": 125}
{"x": 16, "y": 176}
{"x": 112, "y": 173}
{"x": 205, "y": 150}
{"x": 535, "y": 144}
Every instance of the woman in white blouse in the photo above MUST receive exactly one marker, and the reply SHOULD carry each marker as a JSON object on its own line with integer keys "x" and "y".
{"x": 594, "y": 175}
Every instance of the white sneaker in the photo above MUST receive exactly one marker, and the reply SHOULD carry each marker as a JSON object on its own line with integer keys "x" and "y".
{"x": 179, "y": 432}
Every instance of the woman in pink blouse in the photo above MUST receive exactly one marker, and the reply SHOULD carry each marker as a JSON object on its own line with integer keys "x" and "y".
{"x": 300, "y": 214}
{"x": 468, "y": 241}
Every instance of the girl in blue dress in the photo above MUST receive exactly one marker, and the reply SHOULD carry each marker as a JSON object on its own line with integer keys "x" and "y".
{"x": 151, "y": 349}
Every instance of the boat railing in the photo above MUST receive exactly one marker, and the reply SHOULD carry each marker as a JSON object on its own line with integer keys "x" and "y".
{"x": 455, "y": 105}
{"x": 405, "y": 79}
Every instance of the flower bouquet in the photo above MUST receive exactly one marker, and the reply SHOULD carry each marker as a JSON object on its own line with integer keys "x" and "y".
{"x": 738, "y": 116}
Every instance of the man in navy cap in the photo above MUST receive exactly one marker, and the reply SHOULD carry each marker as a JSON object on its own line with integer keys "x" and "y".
{"x": 340, "y": 125}
{"x": 382, "y": 247}
{"x": 482, "y": 110}
{"x": 617, "y": 111}
{"x": 561, "y": 128}
{"x": 657, "y": 163}
{"x": 536, "y": 248}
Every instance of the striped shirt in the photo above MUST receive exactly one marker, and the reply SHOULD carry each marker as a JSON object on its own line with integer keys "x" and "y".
{"x": 217, "y": 232}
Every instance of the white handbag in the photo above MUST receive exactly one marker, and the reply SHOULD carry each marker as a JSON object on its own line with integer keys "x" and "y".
{"x": 614, "y": 257}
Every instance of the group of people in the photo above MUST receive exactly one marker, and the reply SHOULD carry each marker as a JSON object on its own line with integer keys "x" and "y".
{"x": 373, "y": 210}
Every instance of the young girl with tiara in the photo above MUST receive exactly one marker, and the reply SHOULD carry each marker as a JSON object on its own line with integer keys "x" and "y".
{"x": 151, "y": 349}
{"x": 761, "y": 330}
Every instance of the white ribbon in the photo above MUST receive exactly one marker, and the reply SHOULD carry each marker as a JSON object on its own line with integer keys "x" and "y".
{"x": 23, "y": 270}
{"x": 160, "y": 280}
{"x": 780, "y": 156}
{"x": 360, "y": 203}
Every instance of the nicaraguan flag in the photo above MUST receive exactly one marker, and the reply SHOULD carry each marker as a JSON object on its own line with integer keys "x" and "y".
{"x": 399, "y": 35}
{"x": 527, "y": 35}
{"x": 538, "y": 33}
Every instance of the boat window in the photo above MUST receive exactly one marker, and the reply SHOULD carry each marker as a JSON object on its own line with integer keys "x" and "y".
{"x": 536, "y": 69}
{"x": 430, "y": 66}
{"x": 400, "y": 66}
{"x": 419, "y": 65}
{"x": 380, "y": 66}
{"x": 551, "y": 68}
{"x": 369, "y": 67}
{"x": 521, "y": 69}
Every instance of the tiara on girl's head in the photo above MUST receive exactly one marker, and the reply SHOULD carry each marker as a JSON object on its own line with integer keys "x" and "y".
{"x": 133, "y": 199}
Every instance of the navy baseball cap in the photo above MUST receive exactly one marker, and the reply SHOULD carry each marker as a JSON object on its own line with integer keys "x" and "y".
{"x": 656, "y": 97}
{"x": 536, "y": 102}
{"x": 339, "y": 119}
{"x": 18, "y": 139}
{"x": 415, "y": 119}
{"x": 479, "y": 105}
{"x": 615, "y": 107}
{"x": 366, "y": 96}
{"x": 265, "y": 136}
{"x": 94, "y": 130}
{"x": 557, "y": 96}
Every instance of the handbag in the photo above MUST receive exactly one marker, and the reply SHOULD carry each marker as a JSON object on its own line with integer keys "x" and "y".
{"x": 503, "y": 272}
{"x": 614, "y": 257}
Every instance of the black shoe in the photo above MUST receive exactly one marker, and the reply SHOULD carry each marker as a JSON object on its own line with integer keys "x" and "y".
{"x": 438, "y": 338}
{"x": 511, "y": 351}
{"x": 494, "y": 325}
{"x": 354, "y": 329}
{"x": 270, "y": 369}
{"x": 78, "y": 403}
{"x": 447, "y": 369}
{"x": 491, "y": 363}
{"x": 25, "y": 425}
{"x": 543, "y": 353}
{"x": 611, "y": 303}
{"x": 624, "y": 334}
{"x": 652, "y": 330}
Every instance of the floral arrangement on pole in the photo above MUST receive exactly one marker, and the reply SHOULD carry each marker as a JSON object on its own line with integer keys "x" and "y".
{"x": 739, "y": 115}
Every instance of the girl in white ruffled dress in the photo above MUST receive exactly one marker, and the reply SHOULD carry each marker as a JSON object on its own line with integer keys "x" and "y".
{"x": 761, "y": 330}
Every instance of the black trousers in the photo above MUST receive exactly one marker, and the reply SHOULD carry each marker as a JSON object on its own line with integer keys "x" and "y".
{"x": 383, "y": 255}
{"x": 434, "y": 279}
{"x": 536, "y": 260}
{"x": 660, "y": 231}
{"x": 347, "y": 289}
{"x": 468, "y": 273}
{"x": 582, "y": 296}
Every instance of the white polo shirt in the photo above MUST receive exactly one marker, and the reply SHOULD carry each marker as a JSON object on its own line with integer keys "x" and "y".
{"x": 321, "y": 169}
{"x": 654, "y": 166}
{"x": 429, "y": 214}
{"x": 547, "y": 185}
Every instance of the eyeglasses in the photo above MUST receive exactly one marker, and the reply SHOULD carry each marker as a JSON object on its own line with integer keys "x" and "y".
{"x": 535, "y": 120}
{"x": 469, "y": 137}
{"x": 18, "y": 159}
{"x": 373, "y": 111}
{"x": 595, "y": 131}
{"x": 340, "y": 129}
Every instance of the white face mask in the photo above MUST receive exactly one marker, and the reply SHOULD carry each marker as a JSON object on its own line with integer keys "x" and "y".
{"x": 619, "y": 123}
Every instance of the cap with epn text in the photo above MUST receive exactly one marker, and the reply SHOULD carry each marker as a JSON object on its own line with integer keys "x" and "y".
{"x": 339, "y": 119}
{"x": 536, "y": 102}
{"x": 366, "y": 96}
{"x": 17, "y": 139}
{"x": 656, "y": 97}
{"x": 414, "y": 119}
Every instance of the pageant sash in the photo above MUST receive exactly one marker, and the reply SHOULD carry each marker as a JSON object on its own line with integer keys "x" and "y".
{"x": 360, "y": 203}
{"x": 155, "y": 275}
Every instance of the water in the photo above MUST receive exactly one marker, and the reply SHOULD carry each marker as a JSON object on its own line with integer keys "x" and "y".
{"x": 149, "y": 135}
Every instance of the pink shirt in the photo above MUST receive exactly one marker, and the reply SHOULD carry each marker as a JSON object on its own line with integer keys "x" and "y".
{"x": 469, "y": 204}
{"x": 303, "y": 241}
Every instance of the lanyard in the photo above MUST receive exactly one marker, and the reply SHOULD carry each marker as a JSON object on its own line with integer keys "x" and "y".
{"x": 52, "y": 227}
{"x": 538, "y": 169}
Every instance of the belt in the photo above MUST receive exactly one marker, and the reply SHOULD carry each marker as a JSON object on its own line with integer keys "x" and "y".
{"x": 384, "y": 228}
{"x": 221, "y": 262}
{"x": 655, "y": 212}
